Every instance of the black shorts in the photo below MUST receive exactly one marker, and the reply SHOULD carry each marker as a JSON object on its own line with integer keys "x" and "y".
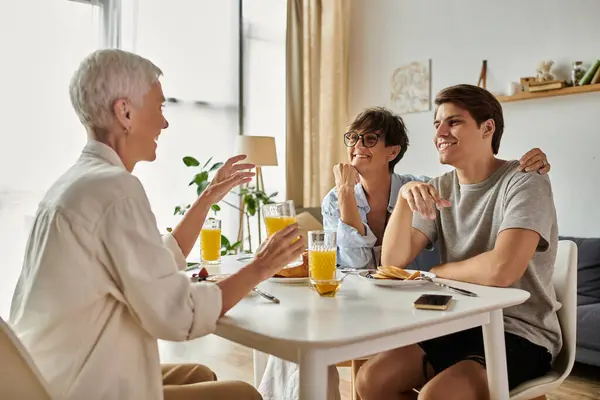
{"x": 524, "y": 360}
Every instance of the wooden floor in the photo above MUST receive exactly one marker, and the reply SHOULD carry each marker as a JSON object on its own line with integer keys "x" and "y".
{"x": 232, "y": 361}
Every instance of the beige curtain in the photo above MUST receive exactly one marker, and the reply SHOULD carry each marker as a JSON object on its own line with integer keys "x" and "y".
{"x": 317, "y": 96}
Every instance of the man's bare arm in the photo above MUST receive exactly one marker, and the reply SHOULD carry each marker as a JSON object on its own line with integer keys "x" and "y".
{"x": 396, "y": 250}
{"x": 502, "y": 266}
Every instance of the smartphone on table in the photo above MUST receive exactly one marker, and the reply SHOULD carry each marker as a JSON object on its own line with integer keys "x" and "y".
{"x": 433, "y": 302}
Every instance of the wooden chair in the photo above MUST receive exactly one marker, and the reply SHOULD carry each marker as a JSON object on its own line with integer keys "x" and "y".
{"x": 19, "y": 377}
{"x": 355, "y": 366}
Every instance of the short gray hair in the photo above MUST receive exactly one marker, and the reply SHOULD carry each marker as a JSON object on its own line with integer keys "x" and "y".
{"x": 105, "y": 76}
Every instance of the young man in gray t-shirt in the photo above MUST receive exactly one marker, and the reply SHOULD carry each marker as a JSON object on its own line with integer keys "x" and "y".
{"x": 495, "y": 226}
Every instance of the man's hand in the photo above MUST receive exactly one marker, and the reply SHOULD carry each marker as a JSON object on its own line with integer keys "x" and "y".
{"x": 279, "y": 250}
{"x": 230, "y": 175}
{"x": 535, "y": 160}
{"x": 423, "y": 198}
{"x": 345, "y": 176}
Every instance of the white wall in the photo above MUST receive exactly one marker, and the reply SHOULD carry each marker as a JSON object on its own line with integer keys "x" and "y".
{"x": 514, "y": 36}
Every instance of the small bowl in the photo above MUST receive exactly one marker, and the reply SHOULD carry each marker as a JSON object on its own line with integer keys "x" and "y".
{"x": 327, "y": 288}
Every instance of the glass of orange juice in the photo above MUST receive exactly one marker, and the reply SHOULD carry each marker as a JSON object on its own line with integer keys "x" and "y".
{"x": 322, "y": 248}
{"x": 210, "y": 241}
{"x": 277, "y": 216}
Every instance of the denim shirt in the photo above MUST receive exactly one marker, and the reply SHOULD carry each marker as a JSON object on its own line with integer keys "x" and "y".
{"x": 353, "y": 249}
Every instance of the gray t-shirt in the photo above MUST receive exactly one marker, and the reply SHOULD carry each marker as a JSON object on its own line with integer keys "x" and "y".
{"x": 479, "y": 212}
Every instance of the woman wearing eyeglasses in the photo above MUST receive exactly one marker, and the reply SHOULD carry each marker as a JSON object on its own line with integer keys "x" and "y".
{"x": 367, "y": 187}
{"x": 358, "y": 209}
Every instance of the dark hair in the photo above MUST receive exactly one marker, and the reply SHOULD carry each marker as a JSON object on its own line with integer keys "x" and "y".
{"x": 480, "y": 103}
{"x": 387, "y": 124}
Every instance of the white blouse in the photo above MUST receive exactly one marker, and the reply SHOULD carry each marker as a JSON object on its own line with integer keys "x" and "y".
{"x": 99, "y": 286}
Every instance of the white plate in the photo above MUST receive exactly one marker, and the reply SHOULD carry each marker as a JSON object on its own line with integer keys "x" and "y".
{"x": 288, "y": 280}
{"x": 395, "y": 282}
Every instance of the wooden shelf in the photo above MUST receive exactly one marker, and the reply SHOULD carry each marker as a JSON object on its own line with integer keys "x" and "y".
{"x": 550, "y": 93}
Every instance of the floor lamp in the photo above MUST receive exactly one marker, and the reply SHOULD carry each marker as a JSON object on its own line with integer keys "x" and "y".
{"x": 260, "y": 151}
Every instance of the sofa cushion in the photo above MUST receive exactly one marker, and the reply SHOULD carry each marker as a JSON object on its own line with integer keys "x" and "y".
{"x": 588, "y": 266}
{"x": 588, "y": 326}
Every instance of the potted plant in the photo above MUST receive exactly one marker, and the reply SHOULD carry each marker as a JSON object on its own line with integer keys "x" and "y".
{"x": 252, "y": 198}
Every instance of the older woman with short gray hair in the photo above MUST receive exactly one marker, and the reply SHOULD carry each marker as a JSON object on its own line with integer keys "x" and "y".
{"x": 99, "y": 283}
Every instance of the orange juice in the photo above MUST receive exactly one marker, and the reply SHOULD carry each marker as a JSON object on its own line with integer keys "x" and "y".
{"x": 327, "y": 288}
{"x": 321, "y": 264}
{"x": 275, "y": 224}
{"x": 210, "y": 244}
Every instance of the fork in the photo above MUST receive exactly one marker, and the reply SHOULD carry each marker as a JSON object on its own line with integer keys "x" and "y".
{"x": 266, "y": 295}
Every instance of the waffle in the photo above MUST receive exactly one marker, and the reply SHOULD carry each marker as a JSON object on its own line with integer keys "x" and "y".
{"x": 389, "y": 272}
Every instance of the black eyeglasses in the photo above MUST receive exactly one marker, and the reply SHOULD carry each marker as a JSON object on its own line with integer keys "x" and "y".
{"x": 369, "y": 139}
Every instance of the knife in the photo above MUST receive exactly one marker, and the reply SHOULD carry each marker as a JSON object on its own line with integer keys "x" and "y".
{"x": 457, "y": 290}
{"x": 266, "y": 295}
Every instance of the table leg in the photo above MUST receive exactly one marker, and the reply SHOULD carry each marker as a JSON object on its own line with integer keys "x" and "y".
{"x": 495, "y": 356}
{"x": 313, "y": 377}
{"x": 260, "y": 364}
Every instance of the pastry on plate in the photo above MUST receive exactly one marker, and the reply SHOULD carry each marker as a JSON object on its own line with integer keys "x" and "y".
{"x": 300, "y": 271}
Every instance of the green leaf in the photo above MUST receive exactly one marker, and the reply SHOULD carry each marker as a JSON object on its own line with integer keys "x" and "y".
{"x": 209, "y": 160}
{"x": 236, "y": 245}
{"x": 192, "y": 265}
{"x": 216, "y": 166}
{"x": 250, "y": 205}
{"x": 201, "y": 177}
{"x": 273, "y": 195}
{"x": 201, "y": 187}
{"x": 260, "y": 196}
{"x": 224, "y": 241}
{"x": 216, "y": 207}
{"x": 190, "y": 161}
{"x": 180, "y": 210}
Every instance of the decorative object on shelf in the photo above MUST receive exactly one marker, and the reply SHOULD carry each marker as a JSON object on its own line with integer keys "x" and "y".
{"x": 577, "y": 72}
{"x": 525, "y": 81}
{"x": 596, "y": 78}
{"x": 545, "y": 85}
{"x": 514, "y": 88}
{"x": 260, "y": 151}
{"x": 589, "y": 74}
{"x": 571, "y": 90}
{"x": 544, "y": 71}
{"x": 482, "y": 83}
{"x": 411, "y": 87}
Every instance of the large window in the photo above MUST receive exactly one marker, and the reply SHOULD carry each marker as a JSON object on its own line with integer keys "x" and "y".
{"x": 264, "y": 80}
{"x": 195, "y": 43}
{"x": 42, "y": 43}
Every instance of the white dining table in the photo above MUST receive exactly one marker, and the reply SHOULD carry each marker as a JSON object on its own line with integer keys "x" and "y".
{"x": 361, "y": 320}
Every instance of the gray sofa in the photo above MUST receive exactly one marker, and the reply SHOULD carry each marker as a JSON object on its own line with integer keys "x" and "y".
{"x": 588, "y": 300}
